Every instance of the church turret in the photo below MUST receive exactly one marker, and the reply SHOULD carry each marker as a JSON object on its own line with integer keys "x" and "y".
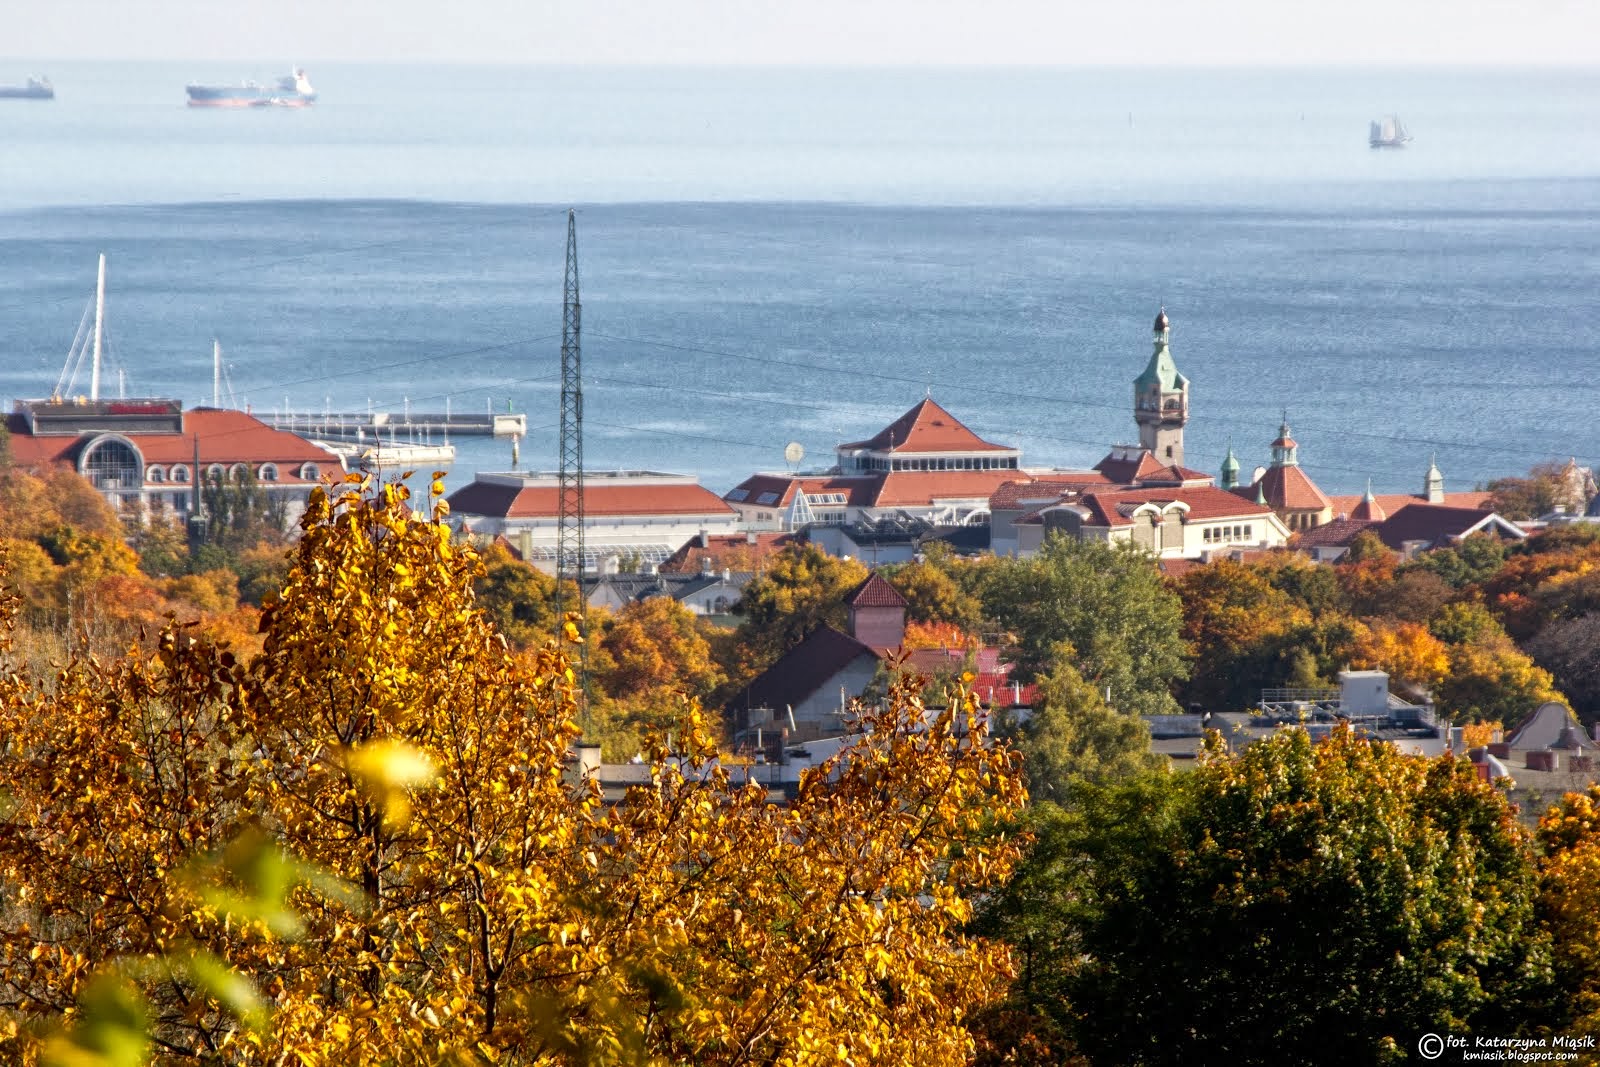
{"x": 1230, "y": 469}
{"x": 1285, "y": 451}
{"x": 1433, "y": 485}
{"x": 1161, "y": 400}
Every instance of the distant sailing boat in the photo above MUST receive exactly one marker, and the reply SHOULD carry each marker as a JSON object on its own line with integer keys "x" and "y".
{"x": 1389, "y": 132}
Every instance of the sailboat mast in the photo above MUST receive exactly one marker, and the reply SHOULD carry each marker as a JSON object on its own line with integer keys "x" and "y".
{"x": 99, "y": 319}
{"x": 216, "y": 373}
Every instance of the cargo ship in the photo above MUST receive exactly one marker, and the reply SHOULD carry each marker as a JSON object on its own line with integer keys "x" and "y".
{"x": 36, "y": 89}
{"x": 291, "y": 90}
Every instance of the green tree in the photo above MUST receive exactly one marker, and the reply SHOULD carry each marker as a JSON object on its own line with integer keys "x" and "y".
{"x": 1470, "y": 562}
{"x": 516, "y": 596}
{"x": 1315, "y": 903}
{"x": 933, "y": 595}
{"x": 1108, "y": 605}
{"x": 1074, "y": 736}
{"x": 803, "y": 588}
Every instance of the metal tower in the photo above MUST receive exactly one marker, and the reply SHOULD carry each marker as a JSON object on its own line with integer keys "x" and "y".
{"x": 569, "y": 535}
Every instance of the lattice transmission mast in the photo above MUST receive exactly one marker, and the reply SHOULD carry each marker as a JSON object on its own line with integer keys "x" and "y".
{"x": 569, "y": 535}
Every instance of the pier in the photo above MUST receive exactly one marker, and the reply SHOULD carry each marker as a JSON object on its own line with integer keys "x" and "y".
{"x": 404, "y": 426}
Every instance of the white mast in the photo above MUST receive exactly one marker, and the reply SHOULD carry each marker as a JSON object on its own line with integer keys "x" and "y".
{"x": 99, "y": 317}
{"x": 216, "y": 373}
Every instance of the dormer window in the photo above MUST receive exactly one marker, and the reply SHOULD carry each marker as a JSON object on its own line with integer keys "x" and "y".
{"x": 155, "y": 475}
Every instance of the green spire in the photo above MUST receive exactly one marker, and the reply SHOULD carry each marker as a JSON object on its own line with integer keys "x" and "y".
{"x": 1230, "y": 469}
{"x": 1161, "y": 372}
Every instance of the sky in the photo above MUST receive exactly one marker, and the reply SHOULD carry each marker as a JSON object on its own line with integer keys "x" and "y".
{"x": 813, "y": 32}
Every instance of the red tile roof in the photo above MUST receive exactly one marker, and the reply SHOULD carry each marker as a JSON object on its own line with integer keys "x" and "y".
{"x": 1206, "y": 503}
{"x": 226, "y": 437}
{"x": 924, "y": 488}
{"x": 1289, "y": 488}
{"x": 875, "y": 593}
{"x": 747, "y": 549}
{"x": 543, "y": 501}
{"x": 927, "y": 427}
{"x": 1393, "y": 502}
{"x": 1129, "y": 471}
{"x": 1335, "y": 534}
{"x": 1024, "y": 493}
{"x": 1435, "y": 524}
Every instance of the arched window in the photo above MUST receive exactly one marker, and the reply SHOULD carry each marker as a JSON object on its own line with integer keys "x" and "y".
{"x": 268, "y": 472}
{"x": 110, "y": 463}
{"x": 180, "y": 473}
{"x": 155, "y": 475}
{"x": 216, "y": 473}
{"x": 309, "y": 472}
{"x": 238, "y": 472}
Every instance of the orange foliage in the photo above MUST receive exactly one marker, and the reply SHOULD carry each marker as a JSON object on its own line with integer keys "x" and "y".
{"x": 939, "y": 635}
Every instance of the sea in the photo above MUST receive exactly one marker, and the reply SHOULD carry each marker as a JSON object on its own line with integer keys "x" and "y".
{"x": 798, "y": 255}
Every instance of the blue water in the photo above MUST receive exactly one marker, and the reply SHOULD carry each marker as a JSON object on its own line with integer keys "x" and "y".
{"x": 800, "y": 255}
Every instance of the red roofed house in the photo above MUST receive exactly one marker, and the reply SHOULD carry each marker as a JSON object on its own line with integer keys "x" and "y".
{"x": 639, "y": 515}
{"x": 1194, "y": 522}
{"x": 705, "y": 553}
{"x": 1414, "y": 528}
{"x": 924, "y": 465}
{"x": 145, "y": 455}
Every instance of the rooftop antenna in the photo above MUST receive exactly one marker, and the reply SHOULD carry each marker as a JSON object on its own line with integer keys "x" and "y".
{"x": 99, "y": 319}
{"x": 569, "y": 539}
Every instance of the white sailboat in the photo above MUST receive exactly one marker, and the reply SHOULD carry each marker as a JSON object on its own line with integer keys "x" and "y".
{"x": 1388, "y": 132}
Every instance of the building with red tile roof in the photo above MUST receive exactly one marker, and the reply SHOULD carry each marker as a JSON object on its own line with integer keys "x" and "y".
{"x": 924, "y": 465}
{"x": 1433, "y": 492}
{"x": 639, "y": 516}
{"x": 145, "y": 455}
{"x": 1194, "y": 522}
{"x": 748, "y": 551}
{"x": 1417, "y": 527}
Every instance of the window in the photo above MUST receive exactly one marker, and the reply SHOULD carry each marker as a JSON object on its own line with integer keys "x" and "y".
{"x": 238, "y": 472}
{"x": 180, "y": 473}
{"x": 216, "y": 473}
{"x": 310, "y": 472}
{"x": 767, "y": 499}
{"x": 268, "y": 472}
{"x": 112, "y": 464}
{"x": 155, "y": 475}
{"x": 733, "y": 494}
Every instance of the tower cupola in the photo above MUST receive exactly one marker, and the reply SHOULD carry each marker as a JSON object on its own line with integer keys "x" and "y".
{"x": 1285, "y": 450}
{"x": 1230, "y": 469}
{"x": 1433, "y": 484}
{"x": 1161, "y": 399}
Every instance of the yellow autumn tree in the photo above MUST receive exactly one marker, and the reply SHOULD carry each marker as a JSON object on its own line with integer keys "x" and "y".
{"x": 505, "y": 913}
{"x": 1407, "y": 651}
